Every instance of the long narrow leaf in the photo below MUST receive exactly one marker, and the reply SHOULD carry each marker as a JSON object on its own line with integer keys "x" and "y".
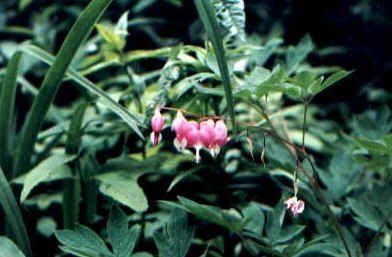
{"x": 78, "y": 33}
{"x": 13, "y": 215}
{"x": 106, "y": 99}
{"x": 207, "y": 16}
{"x": 7, "y": 104}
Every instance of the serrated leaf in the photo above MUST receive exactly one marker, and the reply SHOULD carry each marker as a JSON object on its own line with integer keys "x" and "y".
{"x": 123, "y": 187}
{"x": 111, "y": 37}
{"x": 52, "y": 168}
{"x": 9, "y": 249}
{"x": 83, "y": 240}
{"x": 122, "y": 239}
{"x": 176, "y": 237}
{"x": 332, "y": 79}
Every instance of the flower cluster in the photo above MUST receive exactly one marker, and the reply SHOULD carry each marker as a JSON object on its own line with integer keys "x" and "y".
{"x": 191, "y": 134}
{"x": 295, "y": 206}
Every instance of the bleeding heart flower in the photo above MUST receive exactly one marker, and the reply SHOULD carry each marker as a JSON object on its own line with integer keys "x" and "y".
{"x": 207, "y": 133}
{"x": 220, "y": 137}
{"x": 157, "y": 123}
{"x": 180, "y": 126}
{"x": 295, "y": 206}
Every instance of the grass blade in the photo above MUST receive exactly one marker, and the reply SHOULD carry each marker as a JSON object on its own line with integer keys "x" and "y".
{"x": 207, "y": 16}
{"x": 78, "y": 33}
{"x": 7, "y": 104}
{"x": 13, "y": 216}
{"x": 106, "y": 99}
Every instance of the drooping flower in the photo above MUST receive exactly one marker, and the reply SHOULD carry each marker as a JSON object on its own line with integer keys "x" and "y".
{"x": 193, "y": 137}
{"x": 207, "y": 133}
{"x": 220, "y": 137}
{"x": 295, "y": 206}
{"x": 179, "y": 125}
{"x": 157, "y": 123}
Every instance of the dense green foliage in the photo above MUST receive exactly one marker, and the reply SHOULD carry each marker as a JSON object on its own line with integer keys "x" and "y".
{"x": 80, "y": 177}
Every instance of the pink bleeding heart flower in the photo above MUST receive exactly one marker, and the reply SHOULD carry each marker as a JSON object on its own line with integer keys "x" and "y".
{"x": 157, "y": 123}
{"x": 193, "y": 137}
{"x": 179, "y": 125}
{"x": 207, "y": 133}
{"x": 220, "y": 137}
{"x": 295, "y": 206}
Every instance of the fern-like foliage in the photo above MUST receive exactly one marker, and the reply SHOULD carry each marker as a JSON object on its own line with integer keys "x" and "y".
{"x": 231, "y": 16}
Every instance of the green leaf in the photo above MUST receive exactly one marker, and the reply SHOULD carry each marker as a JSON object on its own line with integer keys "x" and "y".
{"x": 367, "y": 215}
{"x": 9, "y": 249}
{"x": 273, "y": 225}
{"x": 7, "y": 104}
{"x": 13, "y": 216}
{"x": 265, "y": 53}
{"x": 52, "y": 168}
{"x": 123, "y": 187}
{"x": 180, "y": 177}
{"x": 78, "y": 33}
{"x": 332, "y": 79}
{"x": 104, "y": 98}
{"x": 24, "y": 3}
{"x": 111, "y": 37}
{"x": 296, "y": 55}
{"x": 83, "y": 240}
{"x": 176, "y": 237}
{"x": 207, "y": 16}
{"x": 341, "y": 174}
{"x": 226, "y": 218}
{"x": 289, "y": 232}
{"x": 255, "y": 218}
{"x": 122, "y": 239}
{"x": 371, "y": 146}
{"x": 142, "y": 254}
{"x": 388, "y": 142}
{"x": 373, "y": 124}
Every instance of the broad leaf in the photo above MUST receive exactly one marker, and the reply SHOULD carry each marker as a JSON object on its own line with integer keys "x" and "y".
{"x": 226, "y": 218}
{"x": 9, "y": 249}
{"x": 254, "y": 217}
{"x": 53, "y": 168}
{"x": 123, "y": 187}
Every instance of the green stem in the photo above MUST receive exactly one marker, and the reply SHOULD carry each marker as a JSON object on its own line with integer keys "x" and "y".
{"x": 304, "y": 124}
{"x": 207, "y": 16}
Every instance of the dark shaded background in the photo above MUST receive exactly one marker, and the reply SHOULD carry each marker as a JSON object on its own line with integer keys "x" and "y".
{"x": 361, "y": 29}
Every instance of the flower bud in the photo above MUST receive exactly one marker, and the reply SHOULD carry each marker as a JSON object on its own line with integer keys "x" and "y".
{"x": 157, "y": 123}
